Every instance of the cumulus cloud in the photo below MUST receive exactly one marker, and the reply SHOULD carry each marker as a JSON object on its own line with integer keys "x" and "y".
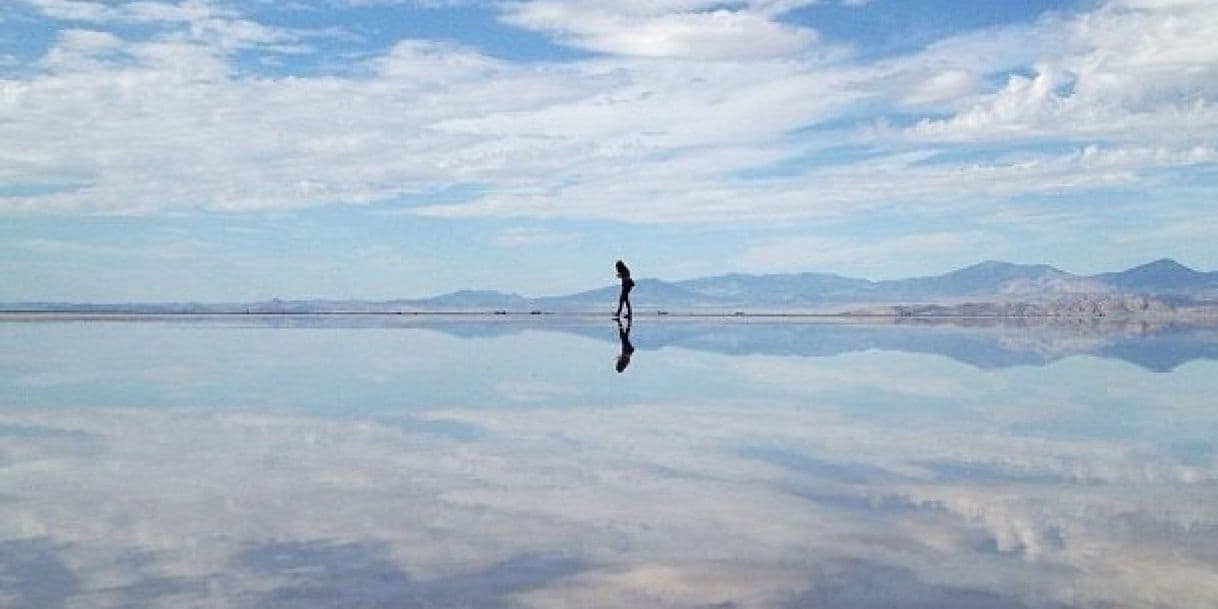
{"x": 1128, "y": 71}
{"x": 681, "y": 116}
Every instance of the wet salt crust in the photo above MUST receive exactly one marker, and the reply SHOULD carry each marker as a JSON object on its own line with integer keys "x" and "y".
{"x": 372, "y": 462}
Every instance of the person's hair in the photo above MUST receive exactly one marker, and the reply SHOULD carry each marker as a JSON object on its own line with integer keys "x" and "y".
{"x": 621, "y": 267}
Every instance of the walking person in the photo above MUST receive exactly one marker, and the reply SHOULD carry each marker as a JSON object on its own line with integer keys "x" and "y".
{"x": 623, "y": 273}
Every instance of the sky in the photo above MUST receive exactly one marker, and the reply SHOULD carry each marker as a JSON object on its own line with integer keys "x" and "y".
{"x": 218, "y": 150}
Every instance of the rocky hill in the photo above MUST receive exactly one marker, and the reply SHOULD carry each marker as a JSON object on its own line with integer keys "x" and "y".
{"x": 1081, "y": 305}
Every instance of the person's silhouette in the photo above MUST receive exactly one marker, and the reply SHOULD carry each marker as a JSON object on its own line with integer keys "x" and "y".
{"x": 623, "y": 298}
{"x": 623, "y": 335}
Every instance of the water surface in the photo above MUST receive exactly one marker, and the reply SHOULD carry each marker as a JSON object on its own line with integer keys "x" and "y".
{"x": 407, "y": 462}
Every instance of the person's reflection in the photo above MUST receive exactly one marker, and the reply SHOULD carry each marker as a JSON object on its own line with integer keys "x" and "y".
{"x": 623, "y": 334}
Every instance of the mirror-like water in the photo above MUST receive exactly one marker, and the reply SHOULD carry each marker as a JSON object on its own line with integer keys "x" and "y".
{"x": 409, "y": 462}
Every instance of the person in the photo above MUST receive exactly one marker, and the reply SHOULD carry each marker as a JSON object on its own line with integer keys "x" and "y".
{"x": 623, "y": 273}
{"x": 623, "y": 335}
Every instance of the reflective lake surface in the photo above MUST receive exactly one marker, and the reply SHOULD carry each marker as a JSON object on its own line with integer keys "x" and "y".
{"x": 477, "y": 462}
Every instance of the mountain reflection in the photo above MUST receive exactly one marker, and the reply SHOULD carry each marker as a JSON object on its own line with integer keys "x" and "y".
{"x": 983, "y": 343}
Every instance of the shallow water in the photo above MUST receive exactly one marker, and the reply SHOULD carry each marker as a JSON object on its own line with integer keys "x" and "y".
{"x": 409, "y": 462}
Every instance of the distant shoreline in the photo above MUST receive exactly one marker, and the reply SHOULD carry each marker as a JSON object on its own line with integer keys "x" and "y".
{"x": 843, "y": 315}
{"x": 991, "y": 289}
{"x": 491, "y": 314}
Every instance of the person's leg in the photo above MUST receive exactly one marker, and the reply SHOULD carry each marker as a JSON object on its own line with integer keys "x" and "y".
{"x": 621, "y": 299}
{"x": 629, "y": 307}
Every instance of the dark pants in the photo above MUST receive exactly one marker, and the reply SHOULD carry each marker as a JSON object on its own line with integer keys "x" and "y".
{"x": 624, "y": 299}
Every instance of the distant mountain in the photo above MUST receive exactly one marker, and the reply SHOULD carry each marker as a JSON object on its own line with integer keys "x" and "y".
{"x": 1163, "y": 276}
{"x": 799, "y": 288}
{"x": 473, "y": 298}
{"x": 1008, "y": 288}
{"x": 657, "y": 291}
{"x": 986, "y": 281}
{"x": 989, "y": 278}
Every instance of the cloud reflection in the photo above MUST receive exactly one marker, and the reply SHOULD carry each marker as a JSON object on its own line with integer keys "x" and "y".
{"x": 869, "y": 479}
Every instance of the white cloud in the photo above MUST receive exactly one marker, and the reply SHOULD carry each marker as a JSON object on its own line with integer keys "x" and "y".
{"x": 944, "y": 86}
{"x": 692, "y": 97}
{"x": 1134, "y": 75}
{"x": 76, "y": 10}
{"x": 84, "y": 50}
{"x": 200, "y": 21}
{"x": 687, "y": 29}
{"x": 692, "y": 193}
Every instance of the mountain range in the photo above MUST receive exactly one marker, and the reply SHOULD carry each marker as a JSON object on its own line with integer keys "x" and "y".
{"x": 1005, "y": 289}
{"x": 990, "y": 282}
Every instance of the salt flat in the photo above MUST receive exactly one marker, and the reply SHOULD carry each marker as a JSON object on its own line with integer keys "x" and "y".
{"x": 459, "y": 462}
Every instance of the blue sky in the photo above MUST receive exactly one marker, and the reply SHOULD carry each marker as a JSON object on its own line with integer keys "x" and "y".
{"x": 222, "y": 150}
